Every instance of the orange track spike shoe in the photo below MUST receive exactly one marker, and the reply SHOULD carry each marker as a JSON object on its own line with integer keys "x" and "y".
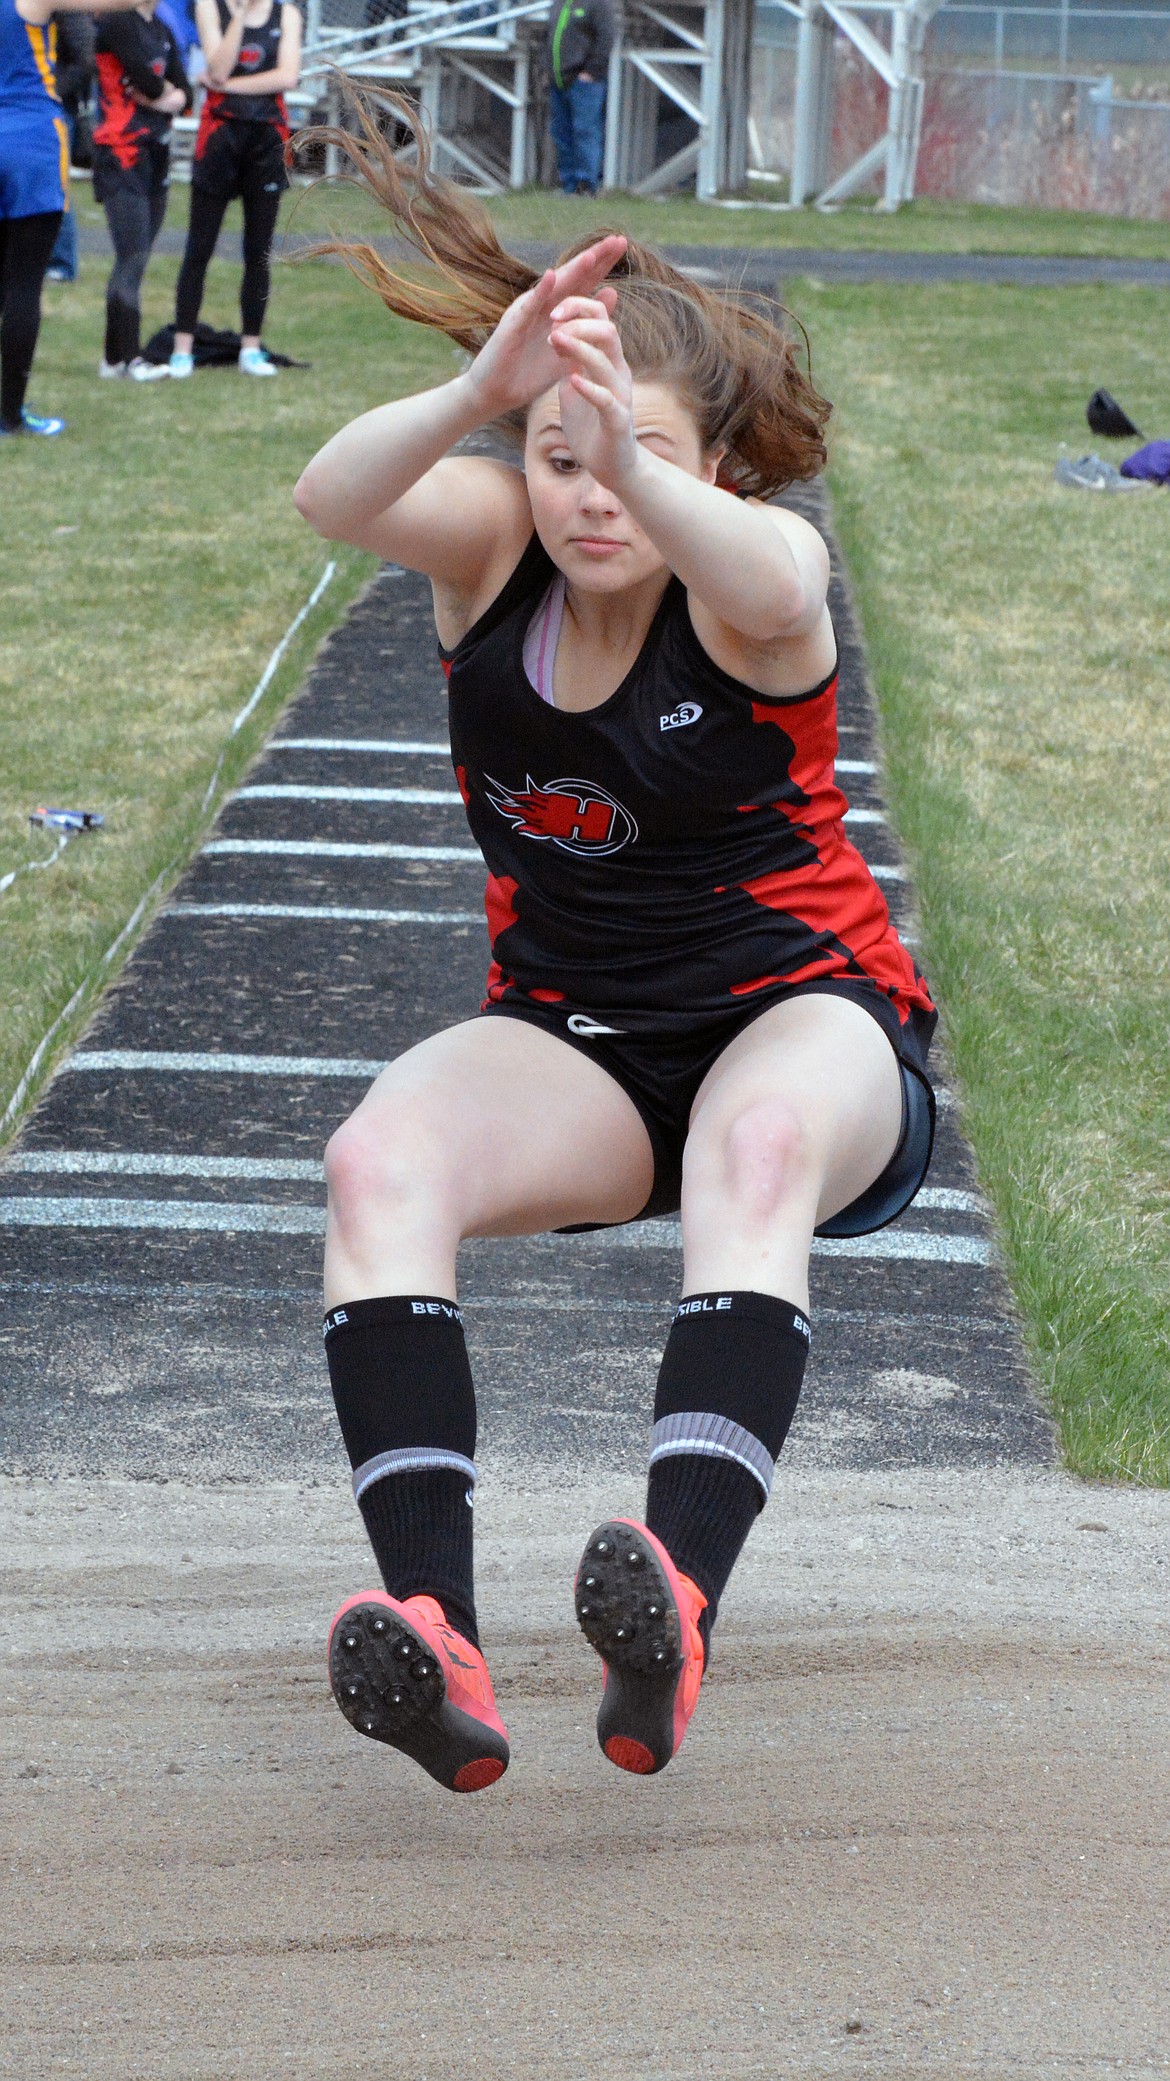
{"x": 402, "y": 1675}
{"x": 641, "y": 1616}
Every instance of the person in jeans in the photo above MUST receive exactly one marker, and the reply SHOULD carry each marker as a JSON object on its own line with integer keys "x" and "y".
{"x": 580, "y": 39}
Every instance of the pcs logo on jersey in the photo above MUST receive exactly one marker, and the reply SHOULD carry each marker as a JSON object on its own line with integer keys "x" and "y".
{"x": 576, "y": 815}
{"x": 681, "y": 717}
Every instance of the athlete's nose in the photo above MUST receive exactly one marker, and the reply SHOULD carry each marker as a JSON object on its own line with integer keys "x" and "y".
{"x": 594, "y": 499}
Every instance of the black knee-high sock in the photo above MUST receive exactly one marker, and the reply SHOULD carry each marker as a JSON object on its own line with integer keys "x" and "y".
{"x": 406, "y": 1404}
{"x": 727, "y": 1392}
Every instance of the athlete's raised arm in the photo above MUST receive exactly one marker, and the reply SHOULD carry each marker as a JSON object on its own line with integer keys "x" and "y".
{"x": 760, "y": 571}
{"x": 383, "y": 482}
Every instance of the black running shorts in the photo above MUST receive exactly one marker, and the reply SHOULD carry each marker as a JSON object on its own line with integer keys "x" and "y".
{"x": 661, "y": 1075}
{"x": 240, "y": 158}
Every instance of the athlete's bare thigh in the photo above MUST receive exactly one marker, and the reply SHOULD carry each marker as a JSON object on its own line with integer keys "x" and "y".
{"x": 795, "y": 1120}
{"x": 492, "y": 1128}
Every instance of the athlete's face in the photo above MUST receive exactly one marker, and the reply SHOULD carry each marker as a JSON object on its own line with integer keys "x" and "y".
{"x": 585, "y": 528}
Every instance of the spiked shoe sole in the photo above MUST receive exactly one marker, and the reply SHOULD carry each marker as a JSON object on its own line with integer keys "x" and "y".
{"x": 627, "y": 1611}
{"x": 391, "y": 1687}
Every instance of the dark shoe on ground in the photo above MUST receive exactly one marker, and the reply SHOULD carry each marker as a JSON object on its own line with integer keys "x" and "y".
{"x": 402, "y": 1675}
{"x": 641, "y": 1616}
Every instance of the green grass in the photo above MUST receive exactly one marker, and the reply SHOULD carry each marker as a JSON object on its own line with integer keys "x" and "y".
{"x": 152, "y": 559}
{"x": 929, "y": 227}
{"x": 1020, "y": 638}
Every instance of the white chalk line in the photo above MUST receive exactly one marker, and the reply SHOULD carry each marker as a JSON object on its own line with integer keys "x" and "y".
{"x": 146, "y": 1163}
{"x": 176, "y": 1061}
{"x": 142, "y": 906}
{"x": 389, "y": 747}
{"x": 265, "y": 679}
{"x": 210, "y": 1216}
{"x": 329, "y": 849}
{"x": 35, "y": 866}
{"x": 334, "y": 913}
{"x": 132, "y": 1163}
{"x": 336, "y": 849}
{"x": 277, "y": 791}
{"x": 419, "y": 798}
{"x": 412, "y": 748}
{"x": 214, "y": 1217}
{"x": 82, "y": 990}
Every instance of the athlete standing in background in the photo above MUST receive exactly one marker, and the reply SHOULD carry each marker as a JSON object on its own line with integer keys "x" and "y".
{"x": 696, "y": 998}
{"x": 142, "y": 84}
{"x": 34, "y": 189}
{"x": 253, "y": 53}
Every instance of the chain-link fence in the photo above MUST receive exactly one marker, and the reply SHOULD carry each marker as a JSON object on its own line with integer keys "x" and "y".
{"x": 1003, "y": 121}
{"x": 1062, "y": 36}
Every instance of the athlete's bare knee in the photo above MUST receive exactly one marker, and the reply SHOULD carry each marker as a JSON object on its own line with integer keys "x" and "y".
{"x": 391, "y": 1165}
{"x": 758, "y": 1160}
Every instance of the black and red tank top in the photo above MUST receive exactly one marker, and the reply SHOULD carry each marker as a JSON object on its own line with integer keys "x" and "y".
{"x": 672, "y": 851}
{"x": 259, "y": 52}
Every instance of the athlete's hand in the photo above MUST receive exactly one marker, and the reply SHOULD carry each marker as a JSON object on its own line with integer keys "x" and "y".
{"x": 596, "y": 389}
{"x": 519, "y": 361}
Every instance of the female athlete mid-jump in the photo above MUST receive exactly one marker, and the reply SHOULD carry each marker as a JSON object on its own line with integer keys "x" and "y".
{"x": 696, "y": 997}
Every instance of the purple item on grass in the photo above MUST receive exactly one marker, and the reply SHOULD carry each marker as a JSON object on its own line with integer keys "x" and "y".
{"x": 1152, "y": 462}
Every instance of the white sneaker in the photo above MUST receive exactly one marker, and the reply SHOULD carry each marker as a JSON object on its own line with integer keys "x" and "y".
{"x": 254, "y": 362}
{"x": 110, "y": 370}
{"x": 140, "y": 371}
{"x": 180, "y": 366}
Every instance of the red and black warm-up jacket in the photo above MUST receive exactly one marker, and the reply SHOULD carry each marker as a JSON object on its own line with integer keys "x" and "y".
{"x": 134, "y": 50}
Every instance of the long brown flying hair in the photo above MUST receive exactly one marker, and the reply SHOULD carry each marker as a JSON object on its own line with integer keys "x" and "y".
{"x": 733, "y": 363}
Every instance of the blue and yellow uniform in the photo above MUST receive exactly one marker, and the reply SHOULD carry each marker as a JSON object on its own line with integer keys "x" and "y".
{"x": 34, "y": 142}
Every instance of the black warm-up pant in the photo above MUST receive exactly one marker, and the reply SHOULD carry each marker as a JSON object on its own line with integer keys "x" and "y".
{"x": 261, "y": 207}
{"x": 25, "y": 246}
{"x": 135, "y": 206}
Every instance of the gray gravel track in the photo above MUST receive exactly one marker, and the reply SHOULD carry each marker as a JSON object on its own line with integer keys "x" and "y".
{"x": 161, "y": 1259}
{"x": 763, "y": 268}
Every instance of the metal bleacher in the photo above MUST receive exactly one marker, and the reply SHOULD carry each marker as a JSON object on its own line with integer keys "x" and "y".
{"x": 679, "y": 87}
{"x": 678, "y": 84}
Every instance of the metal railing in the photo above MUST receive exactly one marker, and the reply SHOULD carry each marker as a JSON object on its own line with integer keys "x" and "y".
{"x": 396, "y": 42}
{"x": 1061, "y": 30}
